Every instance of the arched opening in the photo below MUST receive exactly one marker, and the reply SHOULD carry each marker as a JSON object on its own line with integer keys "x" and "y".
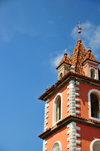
{"x": 95, "y": 145}
{"x": 61, "y": 75}
{"x": 92, "y": 72}
{"x": 56, "y": 146}
{"x": 94, "y": 105}
{"x": 57, "y": 108}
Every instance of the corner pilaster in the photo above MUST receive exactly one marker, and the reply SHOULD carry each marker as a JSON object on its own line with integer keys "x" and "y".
{"x": 72, "y": 139}
{"x": 72, "y": 99}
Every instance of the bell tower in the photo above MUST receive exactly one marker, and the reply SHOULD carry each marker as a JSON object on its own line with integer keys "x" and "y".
{"x": 72, "y": 104}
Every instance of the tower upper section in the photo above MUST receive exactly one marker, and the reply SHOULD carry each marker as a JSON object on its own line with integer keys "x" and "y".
{"x": 81, "y": 61}
{"x": 72, "y": 104}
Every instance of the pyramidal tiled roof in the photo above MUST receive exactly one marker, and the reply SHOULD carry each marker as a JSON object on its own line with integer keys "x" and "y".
{"x": 77, "y": 57}
{"x": 65, "y": 60}
{"x": 90, "y": 56}
{"x": 80, "y": 55}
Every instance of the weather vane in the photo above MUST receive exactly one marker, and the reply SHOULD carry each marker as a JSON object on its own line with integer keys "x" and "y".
{"x": 89, "y": 47}
{"x": 80, "y": 28}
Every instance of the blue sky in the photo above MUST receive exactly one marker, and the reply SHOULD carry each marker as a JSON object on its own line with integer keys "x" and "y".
{"x": 33, "y": 37}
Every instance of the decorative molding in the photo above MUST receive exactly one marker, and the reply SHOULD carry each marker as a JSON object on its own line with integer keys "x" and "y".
{"x": 45, "y": 149}
{"x": 77, "y": 83}
{"x": 44, "y": 143}
{"x": 93, "y": 66}
{"x": 45, "y": 122}
{"x": 66, "y": 121}
{"x": 95, "y": 141}
{"x": 72, "y": 98}
{"x": 45, "y": 115}
{"x": 47, "y": 111}
{"x": 89, "y": 103}
{"x": 54, "y": 104}
{"x": 57, "y": 145}
{"x": 96, "y": 72}
{"x": 72, "y": 139}
{"x": 88, "y": 71}
{"x": 47, "y": 105}
{"x": 87, "y": 62}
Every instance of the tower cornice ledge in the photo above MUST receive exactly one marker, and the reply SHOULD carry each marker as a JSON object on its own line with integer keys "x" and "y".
{"x": 65, "y": 79}
{"x": 66, "y": 121}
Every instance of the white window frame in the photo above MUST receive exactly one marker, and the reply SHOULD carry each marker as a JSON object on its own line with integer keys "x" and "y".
{"x": 92, "y": 143}
{"x": 89, "y": 103}
{"x": 59, "y": 143}
{"x": 94, "y": 71}
{"x": 54, "y": 107}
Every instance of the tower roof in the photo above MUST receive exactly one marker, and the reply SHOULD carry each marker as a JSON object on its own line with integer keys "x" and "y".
{"x": 90, "y": 57}
{"x": 77, "y": 57}
{"x": 65, "y": 60}
{"x": 76, "y": 60}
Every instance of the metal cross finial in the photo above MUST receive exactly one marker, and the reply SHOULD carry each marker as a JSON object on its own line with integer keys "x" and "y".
{"x": 65, "y": 50}
{"x": 79, "y": 23}
{"x": 89, "y": 47}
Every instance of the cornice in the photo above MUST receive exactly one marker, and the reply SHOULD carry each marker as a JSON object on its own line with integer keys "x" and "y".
{"x": 66, "y": 121}
{"x": 65, "y": 79}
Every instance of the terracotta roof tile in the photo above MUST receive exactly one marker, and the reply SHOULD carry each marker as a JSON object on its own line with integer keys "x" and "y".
{"x": 69, "y": 74}
{"x": 90, "y": 56}
{"x": 65, "y": 59}
{"x": 77, "y": 57}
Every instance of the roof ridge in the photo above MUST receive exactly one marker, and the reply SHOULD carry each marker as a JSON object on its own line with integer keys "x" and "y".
{"x": 65, "y": 59}
{"x": 77, "y": 57}
{"x": 90, "y": 56}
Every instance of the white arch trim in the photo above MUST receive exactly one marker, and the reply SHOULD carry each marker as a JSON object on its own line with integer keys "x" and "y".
{"x": 59, "y": 143}
{"x": 89, "y": 103}
{"x": 54, "y": 123}
{"x": 96, "y": 74}
{"x": 93, "y": 142}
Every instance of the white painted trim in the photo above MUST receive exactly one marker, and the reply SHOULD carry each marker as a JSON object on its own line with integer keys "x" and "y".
{"x": 45, "y": 112}
{"x": 59, "y": 144}
{"x": 47, "y": 105}
{"x": 77, "y": 83}
{"x": 46, "y": 127}
{"x": 85, "y": 65}
{"x": 77, "y": 88}
{"x": 53, "y": 122}
{"x": 95, "y": 72}
{"x": 45, "y": 149}
{"x": 61, "y": 68}
{"x": 44, "y": 143}
{"x": 47, "y": 101}
{"x": 89, "y": 103}
{"x": 72, "y": 139}
{"x": 91, "y": 62}
{"x": 90, "y": 65}
{"x": 94, "y": 67}
{"x": 88, "y": 71}
{"x": 46, "y": 122}
{"x": 92, "y": 143}
{"x": 47, "y": 116}
{"x": 72, "y": 98}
